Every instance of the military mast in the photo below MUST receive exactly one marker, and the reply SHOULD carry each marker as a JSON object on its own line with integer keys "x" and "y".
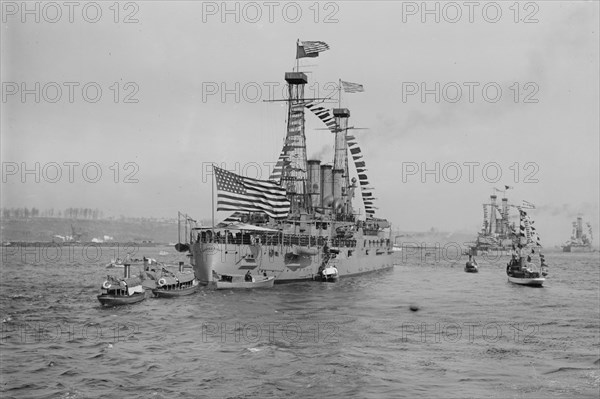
{"x": 295, "y": 166}
{"x": 341, "y": 181}
{"x": 294, "y": 172}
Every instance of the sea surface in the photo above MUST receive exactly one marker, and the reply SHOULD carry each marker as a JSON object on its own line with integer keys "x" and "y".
{"x": 423, "y": 329}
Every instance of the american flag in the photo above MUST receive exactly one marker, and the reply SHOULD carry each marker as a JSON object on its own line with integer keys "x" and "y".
{"x": 238, "y": 193}
{"x": 314, "y": 47}
{"x": 352, "y": 87}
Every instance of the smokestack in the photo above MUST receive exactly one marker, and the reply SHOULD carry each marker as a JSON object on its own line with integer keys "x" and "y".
{"x": 180, "y": 267}
{"x": 493, "y": 224}
{"x": 504, "y": 215}
{"x": 579, "y": 226}
{"x": 314, "y": 182}
{"x": 326, "y": 185}
{"x": 340, "y": 159}
{"x": 126, "y": 270}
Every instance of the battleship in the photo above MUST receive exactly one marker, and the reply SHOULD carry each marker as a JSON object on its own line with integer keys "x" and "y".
{"x": 579, "y": 241}
{"x": 304, "y": 220}
{"x": 494, "y": 237}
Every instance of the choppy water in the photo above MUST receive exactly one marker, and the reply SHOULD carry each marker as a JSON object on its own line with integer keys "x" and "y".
{"x": 473, "y": 336}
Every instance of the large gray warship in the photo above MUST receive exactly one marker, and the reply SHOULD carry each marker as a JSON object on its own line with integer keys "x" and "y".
{"x": 322, "y": 228}
{"x": 494, "y": 237}
{"x": 579, "y": 241}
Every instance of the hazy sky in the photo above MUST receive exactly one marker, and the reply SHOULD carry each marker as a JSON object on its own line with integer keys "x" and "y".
{"x": 182, "y": 85}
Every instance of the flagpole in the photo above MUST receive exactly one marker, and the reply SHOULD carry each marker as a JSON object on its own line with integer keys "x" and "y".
{"x": 297, "y": 59}
{"x": 212, "y": 188}
{"x": 187, "y": 237}
{"x": 179, "y": 227}
{"x": 339, "y": 93}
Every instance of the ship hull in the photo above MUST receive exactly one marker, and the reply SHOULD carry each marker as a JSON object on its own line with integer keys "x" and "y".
{"x": 286, "y": 263}
{"x": 531, "y": 282}
{"x": 226, "y": 285}
{"x": 117, "y": 300}
{"x": 163, "y": 293}
{"x": 328, "y": 279}
{"x": 577, "y": 248}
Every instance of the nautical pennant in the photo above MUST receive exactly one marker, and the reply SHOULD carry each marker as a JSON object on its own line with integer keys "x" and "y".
{"x": 362, "y": 176}
{"x": 324, "y": 115}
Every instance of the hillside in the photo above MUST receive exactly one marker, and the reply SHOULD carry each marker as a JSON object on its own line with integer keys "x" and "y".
{"x": 44, "y": 229}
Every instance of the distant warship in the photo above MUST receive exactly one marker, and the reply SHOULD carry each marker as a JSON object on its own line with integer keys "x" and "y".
{"x": 579, "y": 241}
{"x": 494, "y": 237}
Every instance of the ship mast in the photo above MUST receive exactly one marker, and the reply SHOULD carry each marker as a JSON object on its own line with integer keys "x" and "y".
{"x": 341, "y": 181}
{"x": 294, "y": 171}
{"x": 504, "y": 214}
{"x": 493, "y": 219}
